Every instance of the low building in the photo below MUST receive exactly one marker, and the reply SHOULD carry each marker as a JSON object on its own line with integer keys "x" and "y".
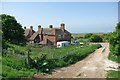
{"x": 29, "y": 32}
{"x": 51, "y": 34}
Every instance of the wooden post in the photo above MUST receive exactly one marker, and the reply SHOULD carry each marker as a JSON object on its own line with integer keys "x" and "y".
{"x": 28, "y": 58}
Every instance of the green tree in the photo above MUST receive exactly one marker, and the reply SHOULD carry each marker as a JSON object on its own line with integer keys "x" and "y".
{"x": 114, "y": 41}
{"x": 12, "y": 30}
{"x": 95, "y": 38}
{"x": 88, "y": 35}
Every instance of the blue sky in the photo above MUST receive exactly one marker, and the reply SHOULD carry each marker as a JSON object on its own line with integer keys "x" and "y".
{"x": 79, "y": 17}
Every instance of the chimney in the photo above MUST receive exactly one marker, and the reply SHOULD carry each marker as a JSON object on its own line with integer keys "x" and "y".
{"x": 31, "y": 27}
{"x": 50, "y": 26}
{"x": 39, "y": 26}
{"x": 25, "y": 27}
{"x": 62, "y": 27}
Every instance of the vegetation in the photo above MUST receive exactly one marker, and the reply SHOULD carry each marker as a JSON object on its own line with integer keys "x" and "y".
{"x": 78, "y": 75}
{"x": 114, "y": 74}
{"x": 114, "y": 41}
{"x": 11, "y": 27}
{"x": 114, "y": 55}
{"x": 95, "y": 38}
{"x": 42, "y": 59}
{"x": 88, "y": 35}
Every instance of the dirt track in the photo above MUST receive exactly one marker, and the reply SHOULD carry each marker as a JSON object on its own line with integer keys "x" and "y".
{"x": 93, "y": 66}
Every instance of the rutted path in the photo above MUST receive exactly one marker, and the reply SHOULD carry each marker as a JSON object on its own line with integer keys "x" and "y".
{"x": 93, "y": 66}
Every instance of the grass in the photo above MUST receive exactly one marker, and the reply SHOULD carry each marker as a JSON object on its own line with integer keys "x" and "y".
{"x": 59, "y": 53}
{"x": 14, "y": 59}
{"x": 78, "y": 75}
{"x": 114, "y": 74}
{"x": 114, "y": 57}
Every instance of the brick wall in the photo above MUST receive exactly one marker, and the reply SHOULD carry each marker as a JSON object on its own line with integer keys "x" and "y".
{"x": 66, "y": 38}
{"x": 55, "y": 39}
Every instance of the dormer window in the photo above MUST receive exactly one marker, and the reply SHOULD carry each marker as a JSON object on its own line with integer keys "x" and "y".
{"x": 59, "y": 36}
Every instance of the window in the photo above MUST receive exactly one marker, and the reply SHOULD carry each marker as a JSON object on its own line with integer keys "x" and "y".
{"x": 43, "y": 35}
{"x": 59, "y": 36}
{"x": 63, "y": 36}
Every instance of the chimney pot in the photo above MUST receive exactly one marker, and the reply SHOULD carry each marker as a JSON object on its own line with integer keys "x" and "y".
{"x": 50, "y": 26}
{"x": 31, "y": 27}
{"x": 39, "y": 26}
{"x": 62, "y": 27}
{"x": 25, "y": 27}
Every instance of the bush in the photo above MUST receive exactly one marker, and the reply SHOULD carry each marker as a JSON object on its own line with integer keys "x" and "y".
{"x": 114, "y": 41}
{"x": 88, "y": 35}
{"x": 95, "y": 38}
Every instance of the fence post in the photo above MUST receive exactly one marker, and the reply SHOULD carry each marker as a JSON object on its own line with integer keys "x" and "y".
{"x": 28, "y": 58}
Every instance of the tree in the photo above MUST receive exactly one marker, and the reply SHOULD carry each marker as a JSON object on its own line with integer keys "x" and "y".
{"x": 88, "y": 35}
{"x": 12, "y": 31}
{"x": 95, "y": 38}
{"x": 107, "y": 36}
{"x": 114, "y": 41}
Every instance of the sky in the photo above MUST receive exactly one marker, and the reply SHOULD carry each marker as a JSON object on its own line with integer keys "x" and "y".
{"x": 78, "y": 17}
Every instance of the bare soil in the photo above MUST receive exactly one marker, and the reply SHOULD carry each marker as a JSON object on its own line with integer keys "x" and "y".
{"x": 95, "y": 65}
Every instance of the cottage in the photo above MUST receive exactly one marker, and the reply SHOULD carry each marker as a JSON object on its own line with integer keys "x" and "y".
{"x": 29, "y": 32}
{"x": 51, "y": 35}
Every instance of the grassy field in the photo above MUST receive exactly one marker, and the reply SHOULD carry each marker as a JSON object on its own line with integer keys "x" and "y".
{"x": 42, "y": 59}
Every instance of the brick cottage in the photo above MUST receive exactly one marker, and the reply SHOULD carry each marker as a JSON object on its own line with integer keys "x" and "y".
{"x": 47, "y": 35}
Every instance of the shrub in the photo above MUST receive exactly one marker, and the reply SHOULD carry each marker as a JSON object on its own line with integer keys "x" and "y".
{"x": 88, "y": 35}
{"x": 95, "y": 38}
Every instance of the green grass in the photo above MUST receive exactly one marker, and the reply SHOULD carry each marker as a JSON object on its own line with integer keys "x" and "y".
{"x": 14, "y": 59}
{"x": 114, "y": 74}
{"x": 59, "y": 53}
{"x": 78, "y": 75}
{"x": 114, "y": 57}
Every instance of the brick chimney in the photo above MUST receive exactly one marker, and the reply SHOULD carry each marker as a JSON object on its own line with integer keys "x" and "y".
{"x": 62, "y": 27}
{"x": 24, "y": 27}
{"x": 39, "y": 27}
{"x": 50, "y": 26}
{"x": 31, "y": 27}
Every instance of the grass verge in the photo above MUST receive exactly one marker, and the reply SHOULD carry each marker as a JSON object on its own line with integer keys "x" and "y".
{"x": 113, "y": 74}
